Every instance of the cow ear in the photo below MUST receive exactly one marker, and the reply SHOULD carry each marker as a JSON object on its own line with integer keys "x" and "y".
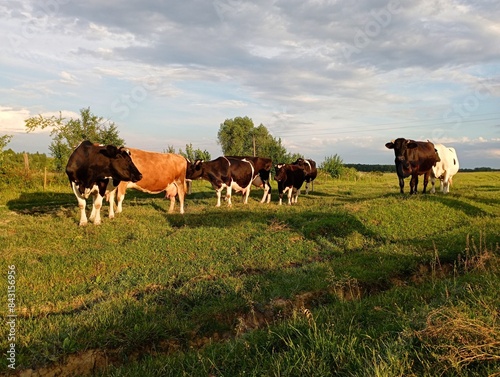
{"x": 411, "y": 145}
{"x": 389, "y": 145}
{"x": 109, "y": 151}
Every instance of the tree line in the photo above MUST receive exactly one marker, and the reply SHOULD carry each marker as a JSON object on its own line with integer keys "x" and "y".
{"x": 236, "y": 137}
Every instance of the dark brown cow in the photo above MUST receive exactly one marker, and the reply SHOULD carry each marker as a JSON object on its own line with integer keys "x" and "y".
{"x": 290, "y": 179}
{"x": 160, "y": 172}
{"x": 310, "y": 169}
{"x": 262, "y": 173}
{"x": 413, "y": 158}
{"x": 96, "y": 170}
{"x": 224, "y": 173}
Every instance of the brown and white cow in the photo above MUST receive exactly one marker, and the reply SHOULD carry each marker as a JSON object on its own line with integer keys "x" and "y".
{"x": 446, "y": 168}
{"x": 290, "y": 179}
{"x": 310, "y": 169}
{"x": 224, "y": 173}
{"x": 160, "y": 172}
{"x": 96, "y": 170}
{"x": 413, "y": 158}
{"x": 262, "y": 173}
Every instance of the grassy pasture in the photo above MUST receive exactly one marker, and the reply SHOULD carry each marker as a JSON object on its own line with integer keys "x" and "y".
{"x": 354, "y": 280}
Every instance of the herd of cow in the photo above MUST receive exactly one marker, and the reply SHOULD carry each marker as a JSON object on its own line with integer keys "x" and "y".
{"x": 107, "y": 171}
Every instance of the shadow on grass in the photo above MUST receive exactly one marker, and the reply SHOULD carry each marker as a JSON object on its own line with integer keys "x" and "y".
{"x": 41, "y": 202}
{"x": 460, "y": 205}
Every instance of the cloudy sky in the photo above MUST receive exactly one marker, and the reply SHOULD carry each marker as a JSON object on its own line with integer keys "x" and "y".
{"x": 327, "y": 77}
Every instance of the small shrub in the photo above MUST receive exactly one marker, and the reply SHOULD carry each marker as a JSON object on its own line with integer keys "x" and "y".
{"x": 333, "y": 165}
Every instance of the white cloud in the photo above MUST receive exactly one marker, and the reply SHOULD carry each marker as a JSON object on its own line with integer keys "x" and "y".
{"x": 12, "y": 120}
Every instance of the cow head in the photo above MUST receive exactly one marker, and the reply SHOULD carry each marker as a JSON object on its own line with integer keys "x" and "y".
{"x": 280, "y": 172}
{"x": 194, "y": 170}
{"x": 121, "y": 164}
{"x": 401, "y": 146}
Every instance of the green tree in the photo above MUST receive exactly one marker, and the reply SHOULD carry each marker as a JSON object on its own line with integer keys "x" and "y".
{"x": 194, "y": 154}
{"x": 4, "y": 141}
{"x": 239, "y": 137}
{"x": 235, "y": 136}
{"x": 67, "y": 134}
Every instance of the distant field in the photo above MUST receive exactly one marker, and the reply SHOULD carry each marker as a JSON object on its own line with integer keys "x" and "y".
{"x": 354, "y": 280}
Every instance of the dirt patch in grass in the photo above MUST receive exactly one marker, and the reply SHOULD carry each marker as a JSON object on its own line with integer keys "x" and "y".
{"x": 80, "y": 364}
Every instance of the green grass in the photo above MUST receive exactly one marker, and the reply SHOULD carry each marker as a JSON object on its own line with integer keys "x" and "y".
{"x": 356, "y": 279}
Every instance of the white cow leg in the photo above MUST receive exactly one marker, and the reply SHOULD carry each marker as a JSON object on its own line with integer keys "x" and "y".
{"x": 266, "y": 195}
{"x": 95, "y": 216}
{"x": 433, "y": 182}
{"x": 181, "y": 193}
{"x": 446, "y": 185}
{"x": 228, "y": 195}
{"x": 289, "y": 196}
{"x": 112, "y": 203}
{"x": 82, "y": 203}
{"x": 246, "y": 195}
{"x": 218, "y": 192}
{"x": 119, "y": 202}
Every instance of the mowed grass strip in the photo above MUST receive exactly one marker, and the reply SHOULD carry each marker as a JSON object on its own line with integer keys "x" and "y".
{"x": 148, "y": 282}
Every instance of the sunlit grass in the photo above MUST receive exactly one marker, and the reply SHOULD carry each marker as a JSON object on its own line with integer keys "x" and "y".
{"x": 344, "y": 282}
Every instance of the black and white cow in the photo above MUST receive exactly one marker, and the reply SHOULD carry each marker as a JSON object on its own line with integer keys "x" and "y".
{"x": 290, "y": 179}
{"x": 310, "y": 169}
{"x": 413, "y": 158}
{"x": 96, "y": 170}
{"x": 224, "y": 173}
{"x": 262, "y": 173}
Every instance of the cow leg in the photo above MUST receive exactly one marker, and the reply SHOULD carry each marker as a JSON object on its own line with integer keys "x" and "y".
{"x": 426, "y": 182}
{"x": 401, "y": 185}
{"x": 172, "y": 203}
{"x": 120, "y": 196}
{"x": 111, "y": 200}
{"x": 170, "y": 192}
{"x": 218, "y": 191}
{"x": 267, "y": 192}
{"x": 307, "y": 188}
{"x": 181, "y": 192}
{"x": 81, "y": 204}
{"x": 295, "y": 193}
{"x": 288, "y": 190}
{"x": 433, "y": 181}
{"x": 229, "y": 190}
{"x": 95, "y": 215}
{"x": 246, "y": 194}
{"x": 413, "y": 184}
{"x": 445, "y": 182}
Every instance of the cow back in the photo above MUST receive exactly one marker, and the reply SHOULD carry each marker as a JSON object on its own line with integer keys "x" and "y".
{"x": 159, "y": 170}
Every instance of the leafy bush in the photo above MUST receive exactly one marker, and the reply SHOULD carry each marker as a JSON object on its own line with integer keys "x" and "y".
{"x": 334, "y": 166}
